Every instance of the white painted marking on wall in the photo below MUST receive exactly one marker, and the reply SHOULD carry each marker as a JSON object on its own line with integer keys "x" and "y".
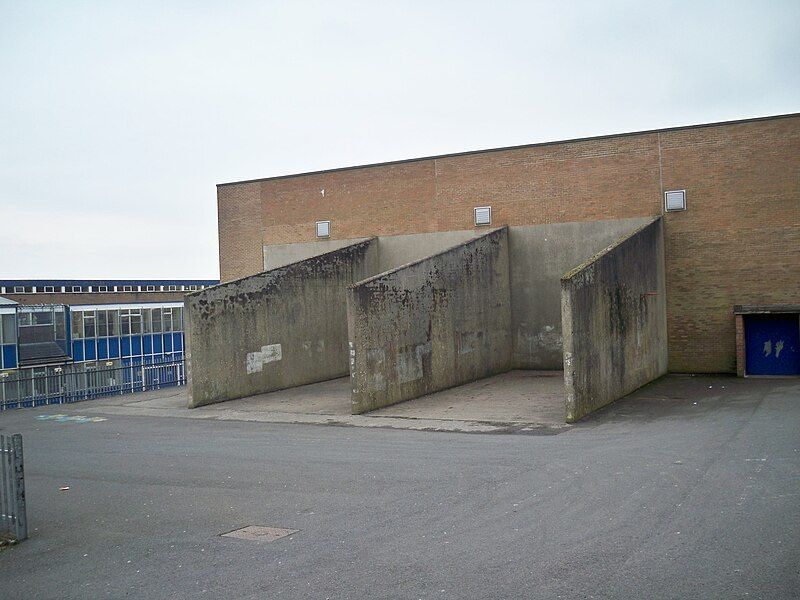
{"x": 267, "y": 354}
{"x": 767, "y": 347}
{"x": 376, "y": 365}
{"x": 467, "y": 340}
{"x": 778, "y": 348}
{"x": 409, "y": 363}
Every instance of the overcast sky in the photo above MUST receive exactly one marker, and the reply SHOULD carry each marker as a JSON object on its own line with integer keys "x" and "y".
{"x": 118, "y": 118}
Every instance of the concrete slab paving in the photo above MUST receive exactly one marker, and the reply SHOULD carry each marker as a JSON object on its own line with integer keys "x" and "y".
{"x": 532, "y": 400}
{"x": 513, "y": 397}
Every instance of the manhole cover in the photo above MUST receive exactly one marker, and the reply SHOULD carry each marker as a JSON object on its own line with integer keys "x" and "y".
{"x": 257, "y": 533}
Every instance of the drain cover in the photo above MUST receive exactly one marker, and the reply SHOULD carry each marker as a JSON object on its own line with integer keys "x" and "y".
{"x": 257, "y": 533}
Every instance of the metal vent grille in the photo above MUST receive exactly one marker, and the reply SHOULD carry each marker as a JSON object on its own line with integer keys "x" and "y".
{"x": 483, "y": 215}
{"x": 675, "y": 200}
{"x": 323, "y": 229}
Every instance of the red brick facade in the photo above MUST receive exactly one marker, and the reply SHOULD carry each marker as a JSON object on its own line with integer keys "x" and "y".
{"x": 738, "y": 242}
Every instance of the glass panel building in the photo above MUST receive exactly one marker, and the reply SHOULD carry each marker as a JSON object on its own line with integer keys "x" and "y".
{"x": 40, "y": 340}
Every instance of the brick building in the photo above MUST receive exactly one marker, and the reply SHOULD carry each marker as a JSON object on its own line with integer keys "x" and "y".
{"x": 737, "y": 243}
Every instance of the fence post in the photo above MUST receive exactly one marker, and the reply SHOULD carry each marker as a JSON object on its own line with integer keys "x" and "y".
{"x": 19, "y": 488}
{"x": 5, "y": 486}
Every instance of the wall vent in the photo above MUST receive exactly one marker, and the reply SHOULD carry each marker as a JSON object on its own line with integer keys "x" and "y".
{"x": 675, "y": 200}
{"x": 323, "y": 229}
{"x": 483, "y": 215}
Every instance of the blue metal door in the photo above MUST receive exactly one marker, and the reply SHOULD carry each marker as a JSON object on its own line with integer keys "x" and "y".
{"x": 772, "y": 344}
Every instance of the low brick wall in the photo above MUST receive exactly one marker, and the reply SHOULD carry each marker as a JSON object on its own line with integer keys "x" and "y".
{"x": 614, "y": 322}
{"x": 432, "y": 324}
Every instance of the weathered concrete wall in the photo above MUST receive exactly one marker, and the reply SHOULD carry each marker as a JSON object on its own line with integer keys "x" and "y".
{"x": 280, "y": 255}
{"x": 278, "y": 329}
{"x": 397, "y": 250}
{"x": 432, "y": 324}
{"x": 393, "y": 250}
{"x": 615, "y": 322}
{"x": 539, "y": 256}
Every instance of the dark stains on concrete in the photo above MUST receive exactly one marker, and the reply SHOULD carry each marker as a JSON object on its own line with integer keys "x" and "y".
{"x": 420, "y": 317}
{"x": 614, "y": 315}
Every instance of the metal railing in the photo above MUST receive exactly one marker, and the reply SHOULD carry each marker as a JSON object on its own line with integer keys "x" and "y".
{"x": 68, "y": 387}
{"x": 13, "y": 519}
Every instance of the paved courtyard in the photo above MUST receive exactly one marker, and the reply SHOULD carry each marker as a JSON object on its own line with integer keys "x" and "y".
{"x": 686, "y": 489}
{"x": 516, "y": 400}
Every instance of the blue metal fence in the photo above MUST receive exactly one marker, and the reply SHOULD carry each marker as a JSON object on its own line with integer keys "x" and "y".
{"x": 67, "y": 387}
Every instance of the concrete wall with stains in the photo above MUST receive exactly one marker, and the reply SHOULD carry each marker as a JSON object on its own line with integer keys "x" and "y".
{"x": 615, "y": 322}
{"x": 432, "y": 324}
{"x": 278, "y": 329}
{"x": 540, "y": 255}
{"x": 280, "y": 255}
{"x": 393, "y": 250}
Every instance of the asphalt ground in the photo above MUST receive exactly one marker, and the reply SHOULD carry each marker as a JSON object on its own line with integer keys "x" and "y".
{"x": 689, "y": 488}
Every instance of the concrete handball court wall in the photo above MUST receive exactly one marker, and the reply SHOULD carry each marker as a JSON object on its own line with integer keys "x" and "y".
{"x": 539, "y": 256}
{"x": 432, "y": 324}
{"x": 282, "y": 328}
{"x": 615, "y": 322}
{"x": 447, "y": 308}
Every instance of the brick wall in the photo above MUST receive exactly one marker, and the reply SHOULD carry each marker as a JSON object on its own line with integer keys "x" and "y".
{"x": 738, "y": 242}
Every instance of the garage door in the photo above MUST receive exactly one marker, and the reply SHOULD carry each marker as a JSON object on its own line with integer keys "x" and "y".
{"x": 772, "y": 344}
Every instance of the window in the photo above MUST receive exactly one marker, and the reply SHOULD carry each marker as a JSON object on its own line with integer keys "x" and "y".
{"x": 102, "y": 288}
{"x": 323, "y": 229}
{"x": 125, "y": 322}
{"x": 483, "y": 215}
{"x": 113, "y": 323}
{"x": 131, "y": 320}
{"x": 8, "y": 329}
{"x": 151, "y": 288}
{"x": 76, "y": 289}
{"x": 42, "y": 318}
{"x": 89, "y": 329}
{"x": 192, "y": 288}
{"x": 173, "y": 288}
{"x": 147, "y": 320}
{"x": 77, "y": 325}
{"x": 49, "y": 289}
{"x": 136, "y": 322}
{"x": 127, "y": 288}
{"x": 155, "y": 320}
{"x": 102, "y": 323}
{"x": 675, "y": 200}
{"x": 177, "y": 319}
{"x": 167, "y": 318}
{"x": 18, "y": 289}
